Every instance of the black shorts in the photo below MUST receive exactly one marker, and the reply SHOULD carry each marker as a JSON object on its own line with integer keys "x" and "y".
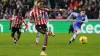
{"x": 71, "y": 29}
{"x": 41, "y": 28}
{"x": 18, "y": 30}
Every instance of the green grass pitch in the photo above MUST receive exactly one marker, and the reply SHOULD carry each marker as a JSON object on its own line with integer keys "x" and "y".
{"x": 57, "y": 46}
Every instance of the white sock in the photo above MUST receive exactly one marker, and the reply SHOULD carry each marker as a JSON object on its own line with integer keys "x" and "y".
{"x": 73, "y": 37}
{"x": 37, "y": 37}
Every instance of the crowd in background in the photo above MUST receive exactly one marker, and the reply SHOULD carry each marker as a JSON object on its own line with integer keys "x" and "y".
{"x": 60, "y": 8}
{"x": 91, "y": 7}
{"x": 13, "y": 7}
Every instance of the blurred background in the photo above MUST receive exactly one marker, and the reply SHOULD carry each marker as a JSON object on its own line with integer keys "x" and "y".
{"x": 60, "y": 8}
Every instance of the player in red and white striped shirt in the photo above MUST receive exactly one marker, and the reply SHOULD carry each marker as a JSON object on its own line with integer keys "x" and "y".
{"x": 40, "y": 22}
{"x": 38, "y": 16}
{"x": 15, "y": 26}
{"x": 45, "y": 16}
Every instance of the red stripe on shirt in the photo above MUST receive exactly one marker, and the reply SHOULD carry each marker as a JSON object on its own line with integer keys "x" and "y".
{"x": 39, "y": 15}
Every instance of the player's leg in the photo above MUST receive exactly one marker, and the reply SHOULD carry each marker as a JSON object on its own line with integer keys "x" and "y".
{"x": 13, "y": 34}
{"x": 18, "y": 34}
{"x": 37, "y": 38}
{"x": 45, "y": 32}
{"x": 53, "y": 34}
{"x": 76, "y": 33}
{"x": 74, "y": 36}
{"x": 38, "y": 28}
{"x": 44, "y": 44}
{"x": 71, "y": 30}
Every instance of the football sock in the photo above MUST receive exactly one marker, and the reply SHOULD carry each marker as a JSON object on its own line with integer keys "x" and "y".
{"x": 43, "y": 48}
{"x": 37, "y": 37}
{"x": 18, "y": 37}
{"x": 73, "y": 37}
{"x": 45, "y": 42}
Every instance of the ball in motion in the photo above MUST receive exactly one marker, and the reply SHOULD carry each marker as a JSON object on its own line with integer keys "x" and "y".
{"x": 83, "y": 39}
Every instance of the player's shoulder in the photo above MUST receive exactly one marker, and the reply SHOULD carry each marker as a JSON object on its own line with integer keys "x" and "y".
{"x": 85, "y": 15}
{"x": 34, "y": 9}
{"x": 13, "y": 17}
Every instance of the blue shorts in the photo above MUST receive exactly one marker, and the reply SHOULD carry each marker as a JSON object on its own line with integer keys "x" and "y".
{"x": 77, "y": 25}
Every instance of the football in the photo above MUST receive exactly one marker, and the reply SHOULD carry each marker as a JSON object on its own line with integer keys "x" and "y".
{"x": 83, "y": 39}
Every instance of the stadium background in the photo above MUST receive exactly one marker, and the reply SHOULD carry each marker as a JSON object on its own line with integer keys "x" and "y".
{"x": 60, "y": 8}
{"x": 60, "y": 11}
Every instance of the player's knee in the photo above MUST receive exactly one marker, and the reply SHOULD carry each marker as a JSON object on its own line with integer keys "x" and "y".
{"x": 78, "y": 32}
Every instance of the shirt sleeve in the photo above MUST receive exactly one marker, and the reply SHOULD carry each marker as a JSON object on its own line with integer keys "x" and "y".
{"x": 26, "y": 25}
{"x": 31, "y": 13}
{"x": 73, "y": 14}
{"x": 12, "y": 18}
{"x": 46, "y": 15}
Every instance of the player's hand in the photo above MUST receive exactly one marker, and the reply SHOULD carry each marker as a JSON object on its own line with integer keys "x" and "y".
{"x": 67, "y": 19}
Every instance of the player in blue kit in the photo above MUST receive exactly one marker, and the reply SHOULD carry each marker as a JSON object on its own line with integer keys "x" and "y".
{"x": 80, "y": 19}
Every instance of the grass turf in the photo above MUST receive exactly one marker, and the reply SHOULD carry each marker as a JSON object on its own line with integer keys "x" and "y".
{"x": 57, "y": 46}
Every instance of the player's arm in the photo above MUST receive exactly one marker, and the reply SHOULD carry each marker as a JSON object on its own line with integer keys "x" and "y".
{"x": 72, "y": 14}
{"x": 31, "y": 16}
{"x": 46, "y": 16}
{"x": 26, "y": 25}
{"x": 10, "y": 24}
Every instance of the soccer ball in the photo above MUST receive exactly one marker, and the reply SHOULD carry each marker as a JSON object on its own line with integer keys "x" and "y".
{"x": 83, "y": 39}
